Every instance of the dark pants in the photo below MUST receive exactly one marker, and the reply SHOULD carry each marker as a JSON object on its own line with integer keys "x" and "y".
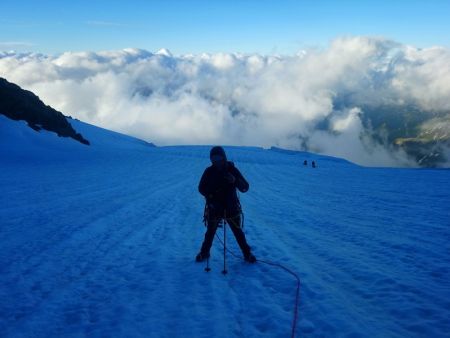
{"x": 235, "y": 226}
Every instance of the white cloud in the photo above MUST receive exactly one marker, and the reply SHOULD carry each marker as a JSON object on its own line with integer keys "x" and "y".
{"x": 352, "y": 141}
{"x": 242, "y": 99}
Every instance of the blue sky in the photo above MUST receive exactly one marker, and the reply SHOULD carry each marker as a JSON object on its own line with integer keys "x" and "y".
{"x": 266, "y": 27}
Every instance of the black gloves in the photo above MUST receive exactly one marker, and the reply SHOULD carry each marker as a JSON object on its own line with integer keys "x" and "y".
{"x": 229, "y": 178}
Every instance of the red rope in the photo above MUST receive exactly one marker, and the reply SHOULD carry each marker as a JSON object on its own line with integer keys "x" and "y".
{"x": 297, "y": 294}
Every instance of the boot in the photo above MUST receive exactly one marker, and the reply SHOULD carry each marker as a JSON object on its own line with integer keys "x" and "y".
{"x": 201, "y": 257}
{"x": 250, "y": 258}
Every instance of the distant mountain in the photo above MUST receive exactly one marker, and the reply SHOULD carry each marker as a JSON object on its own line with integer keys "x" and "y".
{"x": 19, "y": 104}
{"x": 423, "y": 135}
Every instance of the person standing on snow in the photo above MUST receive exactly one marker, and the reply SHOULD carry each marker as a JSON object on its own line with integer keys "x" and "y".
{"x": 218, "y": 185}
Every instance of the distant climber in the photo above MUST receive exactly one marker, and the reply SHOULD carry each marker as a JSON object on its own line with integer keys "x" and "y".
{"x": 313, "y": 164}
{"x": 305, "y": 162}
{"x": 218, "y": 185}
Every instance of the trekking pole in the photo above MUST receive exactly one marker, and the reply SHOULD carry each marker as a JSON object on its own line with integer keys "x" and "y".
{"x": 224, "y": 246}
{"x": 207, "y": 269}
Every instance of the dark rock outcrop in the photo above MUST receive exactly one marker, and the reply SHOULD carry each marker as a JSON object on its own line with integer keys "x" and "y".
{"x": 19, "y": 104}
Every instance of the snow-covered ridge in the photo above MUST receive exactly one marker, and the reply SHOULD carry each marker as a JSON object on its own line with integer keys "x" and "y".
{"x": 101, "y": 240}
{"x": 19, "y": 104}
{"x": 18, "y": 140}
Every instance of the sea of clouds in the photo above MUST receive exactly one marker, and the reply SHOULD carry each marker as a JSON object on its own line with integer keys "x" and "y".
{"x": 241, "y": 99}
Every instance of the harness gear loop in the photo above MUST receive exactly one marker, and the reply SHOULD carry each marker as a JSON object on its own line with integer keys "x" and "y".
{"x": 206, "y": 217}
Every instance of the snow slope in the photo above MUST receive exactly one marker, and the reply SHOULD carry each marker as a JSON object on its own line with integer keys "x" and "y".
{"x": 100, "y": 241}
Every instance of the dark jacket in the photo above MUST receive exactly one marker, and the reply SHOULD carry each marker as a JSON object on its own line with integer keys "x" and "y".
{"x": 221, "y": 196}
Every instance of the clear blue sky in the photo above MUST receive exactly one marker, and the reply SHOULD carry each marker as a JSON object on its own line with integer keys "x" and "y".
{"x": 212, "y": 26}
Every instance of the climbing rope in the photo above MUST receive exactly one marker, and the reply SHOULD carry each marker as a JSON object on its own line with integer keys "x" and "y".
{"x": 297, "y": 293}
